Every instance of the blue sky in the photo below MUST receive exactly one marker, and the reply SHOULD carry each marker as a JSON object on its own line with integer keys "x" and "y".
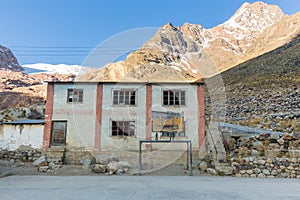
{"x": 38, "y": 30}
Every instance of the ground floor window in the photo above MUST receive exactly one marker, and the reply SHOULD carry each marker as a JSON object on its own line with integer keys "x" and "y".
{"x": 59, "y": 130}
{"x": 123, "y": 128}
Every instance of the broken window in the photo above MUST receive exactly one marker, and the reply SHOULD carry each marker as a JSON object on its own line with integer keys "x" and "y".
{"x": 59, "y": 129}
{"x": 123, "y": 128}
{"x": 174, "y": 98}
{"x": 124, "y": 97}
{"x": 75, "y": 95}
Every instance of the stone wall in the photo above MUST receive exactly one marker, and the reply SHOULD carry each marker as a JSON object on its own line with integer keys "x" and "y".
{"x": 264, "y": 155}
{"x": 23, "y": 154}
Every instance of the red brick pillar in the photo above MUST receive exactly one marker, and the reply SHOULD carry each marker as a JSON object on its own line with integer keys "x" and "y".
{"x": 201, "y": 119}
{"x": 148, "y": 114}
{"x": 98, "y": 116}
{"x": 48, "y": 116}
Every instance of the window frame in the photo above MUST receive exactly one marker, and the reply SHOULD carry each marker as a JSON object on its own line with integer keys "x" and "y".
{"x": 80, "y": 99}
{"x": 124, "y": 91}
{"x": 128, "y": 128}
{"x": 174, "y": 100}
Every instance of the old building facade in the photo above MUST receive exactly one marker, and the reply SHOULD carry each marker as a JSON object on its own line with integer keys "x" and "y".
{"x": 106, "y": 116}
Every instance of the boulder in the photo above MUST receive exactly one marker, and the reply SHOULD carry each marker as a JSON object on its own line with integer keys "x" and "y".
{"x": 203, "y": 166}
{"x": 98, "y": 168}
{"x": 124, "y": 165}
{"x": 211, "y": 171}
{"x": 42, "y": 161}
{"x": 87, "y": 160}
{"x": 43, "y": 168}
{"x": 112, "y": 167}
{"x": 105, "y": 159}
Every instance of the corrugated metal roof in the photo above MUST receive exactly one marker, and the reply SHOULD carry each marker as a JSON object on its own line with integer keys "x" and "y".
{"x": 26, "y": 121}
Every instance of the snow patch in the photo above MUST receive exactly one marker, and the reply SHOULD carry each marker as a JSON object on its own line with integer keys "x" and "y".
{"x": 51, "y": 68}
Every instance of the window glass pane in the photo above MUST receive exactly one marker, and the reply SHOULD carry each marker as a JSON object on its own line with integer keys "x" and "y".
{"x": 127, "y": 97}
{"x": 171, "y": 96}
{"x": 176, "y": 98}
{"x": 123, "y": 128}
{"x": 166, "y": 98}
{"x": 115, "y": 97}
{"x": 132, "y": 98}
{"x": 182, "y": 97}
{"x": 121, "y": 97}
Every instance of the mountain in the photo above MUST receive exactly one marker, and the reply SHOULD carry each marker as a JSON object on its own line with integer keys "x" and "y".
{"x": 265, "y": 91}
{"x": 194, "y": 51}
{"x": 8, "y": 61}
{"x": 53, "y": 69}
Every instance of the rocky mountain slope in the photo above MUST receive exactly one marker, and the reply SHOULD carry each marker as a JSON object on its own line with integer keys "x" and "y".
{"x": 265, "y": 91}
{"x": 199, "y": 52}
{"x": 8, "y": 61}
{"x": 24, "y": 93}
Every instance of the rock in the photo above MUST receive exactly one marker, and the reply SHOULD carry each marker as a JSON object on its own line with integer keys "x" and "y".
{"x": 257, "y": 171}
{"x": 235, "y": 164}
{"x": 211, "y": 171}
{"x": 87, "y": 160}
{"x": 4, "y": 163}
{"x": 203, "y": 166}
{"x": 294, "y": 160}
{"x": 254, "y": 152}
{"x": 104, "y": 159}
{"x": 124, "y": 165}
{"x": 120, "y": 171}
{"x": 261, "y": 175}
{"x": 11, "y": 161}
{"x": 98, "y": 168}
{"x": 274, "y": 173}
{"x": 42, "y": 161}
{"x": 257, "y": 144}
{"x": 249, "y": 171}
{"x": 261, "y": 162}
{"x": 253, "y": 175}
{"x": 112, "y": 167}
{"x": 224, "y": 170}
{"x": 266, "y": 172}
{"x": 43, "y": 168}
{"x": 280, "y": 141}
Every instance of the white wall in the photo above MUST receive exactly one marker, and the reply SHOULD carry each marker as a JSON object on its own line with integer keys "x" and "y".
{"x": 123, "y": 113}
{"x": 80, "y": 117}
{"x": 13, "y": 136}
{"x": 190, "y": 110}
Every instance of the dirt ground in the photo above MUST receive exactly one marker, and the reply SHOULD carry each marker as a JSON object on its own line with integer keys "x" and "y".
{"x": 26, "y": 168}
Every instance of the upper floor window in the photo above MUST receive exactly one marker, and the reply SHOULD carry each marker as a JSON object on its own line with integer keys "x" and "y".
{"x": 75, "y": 95}
{"x": 174, "y": 97}
{"x": 124, "y": 97}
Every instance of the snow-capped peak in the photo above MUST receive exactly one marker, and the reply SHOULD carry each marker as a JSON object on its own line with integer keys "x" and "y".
{"x": 52, "y": 68}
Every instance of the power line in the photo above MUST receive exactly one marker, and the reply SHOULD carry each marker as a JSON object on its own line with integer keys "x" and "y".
{"x": 72, "y": 47}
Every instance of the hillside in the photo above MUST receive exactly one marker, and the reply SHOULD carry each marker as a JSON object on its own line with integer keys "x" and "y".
{"x": 265, "y": 91}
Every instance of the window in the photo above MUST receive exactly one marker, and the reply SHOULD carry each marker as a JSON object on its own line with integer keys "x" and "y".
{"x": 59, "y": 129}
{"x": 123, "y": 128}
{"x": 174, "y": 98}
{"x": 75, "y": 95}
{"x": 124, "y": 97}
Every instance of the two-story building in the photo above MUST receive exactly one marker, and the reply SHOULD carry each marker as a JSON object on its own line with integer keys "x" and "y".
{"x": 107, "y": 116}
